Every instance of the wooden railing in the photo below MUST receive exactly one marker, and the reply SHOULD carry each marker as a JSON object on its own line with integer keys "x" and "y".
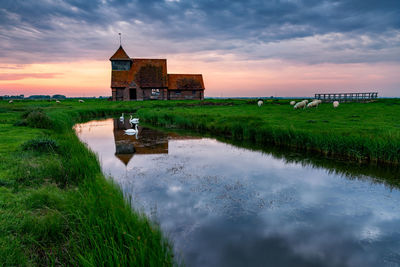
{"x": 347, "y": 97}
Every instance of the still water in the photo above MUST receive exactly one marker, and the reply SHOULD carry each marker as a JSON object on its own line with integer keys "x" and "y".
{"x": 223, "y": 205}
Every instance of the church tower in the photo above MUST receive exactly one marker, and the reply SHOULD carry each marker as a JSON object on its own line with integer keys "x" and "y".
{"x": 121, "y": 64}
{"x": 120, "y": 60}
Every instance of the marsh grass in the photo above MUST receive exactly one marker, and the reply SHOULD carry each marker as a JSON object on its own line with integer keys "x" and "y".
{"x": 373, "y": 137}
{"x": 56, "y": 207}
{"x": 42, "y": 144}
{"x": 35, "y": 118}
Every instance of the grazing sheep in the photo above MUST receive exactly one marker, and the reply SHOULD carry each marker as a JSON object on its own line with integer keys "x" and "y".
{"x": 58, "y": 101}
{"x": 314, "y": 103}
{"x": 301, "y": 104}
{"x": 335, "y": 104}
{"x": 81, "y": 101}
{"x": 292, "y": 103}
{"x": 260, "y": 102}
{"x": 10, "y": 102}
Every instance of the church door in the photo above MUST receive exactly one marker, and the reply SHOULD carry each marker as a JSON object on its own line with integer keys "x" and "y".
{"x": 132, "y": 94}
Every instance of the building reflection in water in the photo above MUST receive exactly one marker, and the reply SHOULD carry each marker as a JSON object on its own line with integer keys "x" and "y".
{"x": 147, "y": 141}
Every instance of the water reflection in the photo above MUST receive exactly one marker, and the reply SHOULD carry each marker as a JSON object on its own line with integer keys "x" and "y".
{"x": 227, "y": 206}
{"x": 146, "y": 141}
{"x": 389, "y": 175}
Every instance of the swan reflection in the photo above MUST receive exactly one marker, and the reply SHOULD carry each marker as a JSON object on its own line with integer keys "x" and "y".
{"x": 143, "y": 141}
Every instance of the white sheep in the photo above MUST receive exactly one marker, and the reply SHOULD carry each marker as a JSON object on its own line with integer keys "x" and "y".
{"x": 301, "y": 104}
{"x": 311, "y": 104}
{"x": 81, "y": 101}
{"x": 58, "y": 102}
{"x": 335, "y": 104}
{"x": 314, "y": 103}
{"x": 10, "y": 102}
{"x": 260, "y": 103}
{"x": 292, "y": 103}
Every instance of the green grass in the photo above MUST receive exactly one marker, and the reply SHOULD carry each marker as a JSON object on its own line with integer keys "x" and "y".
{"x": 358, "y": 131}
{"x": 56, "y": 208}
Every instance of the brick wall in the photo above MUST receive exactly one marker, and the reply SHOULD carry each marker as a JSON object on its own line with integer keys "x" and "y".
{"x": 185, "y": 94}
{"x": 119, "y": 94}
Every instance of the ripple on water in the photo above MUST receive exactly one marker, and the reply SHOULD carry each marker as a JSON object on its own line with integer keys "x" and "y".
{"x": 228, "y": 206}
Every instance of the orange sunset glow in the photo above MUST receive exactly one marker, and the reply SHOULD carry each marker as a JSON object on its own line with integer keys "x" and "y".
{"x": 228, "y": 78}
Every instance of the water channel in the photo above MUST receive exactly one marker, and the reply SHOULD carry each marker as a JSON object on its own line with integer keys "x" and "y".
{"x": 222, "y": 205}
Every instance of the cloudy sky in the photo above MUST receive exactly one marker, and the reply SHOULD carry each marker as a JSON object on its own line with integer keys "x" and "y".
{"x": 242, "y": 48}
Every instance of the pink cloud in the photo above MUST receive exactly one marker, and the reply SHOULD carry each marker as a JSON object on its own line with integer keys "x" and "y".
{"x": 20, "y": 76}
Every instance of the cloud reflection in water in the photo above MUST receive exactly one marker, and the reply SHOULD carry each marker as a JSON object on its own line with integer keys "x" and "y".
{"x": 228, "y": 206}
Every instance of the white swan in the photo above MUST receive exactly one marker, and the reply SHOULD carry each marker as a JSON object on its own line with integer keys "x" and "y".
{"x": 121, "y": 119}
{"x": 132, "y": 131}
{"x": 134, "y": 120}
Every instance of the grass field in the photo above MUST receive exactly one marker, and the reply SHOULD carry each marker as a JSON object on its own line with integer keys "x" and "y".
{"x": 57, "y": 208}
{"x": 368, "y": 132}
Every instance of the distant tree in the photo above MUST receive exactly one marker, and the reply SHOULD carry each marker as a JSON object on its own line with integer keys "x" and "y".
{"x": 12, "y": 97}
{"x": 59, "y": 97}
{"x": 39, "y": 97}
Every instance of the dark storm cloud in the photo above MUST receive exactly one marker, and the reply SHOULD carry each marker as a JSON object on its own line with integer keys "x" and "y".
{"x": 273, "y": 20}
{"x": 48, "y": 30}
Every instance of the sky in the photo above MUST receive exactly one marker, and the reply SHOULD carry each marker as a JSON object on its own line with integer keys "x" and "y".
{"x": 247, "y": 48}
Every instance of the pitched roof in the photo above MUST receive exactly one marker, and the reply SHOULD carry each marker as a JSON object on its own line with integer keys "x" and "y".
{"x": 185, "y": 82}
{"x": 120, "y": 54}
{"x": 125, "y": 158}
{"x": 144, "y": 72}
{"x": 150, "y": 72}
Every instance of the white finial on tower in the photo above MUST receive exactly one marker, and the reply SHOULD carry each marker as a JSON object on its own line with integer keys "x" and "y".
{"x": 120, "y": 43}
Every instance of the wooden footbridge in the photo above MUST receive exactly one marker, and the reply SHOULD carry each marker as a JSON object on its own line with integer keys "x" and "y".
{"x": 347, "y": 97}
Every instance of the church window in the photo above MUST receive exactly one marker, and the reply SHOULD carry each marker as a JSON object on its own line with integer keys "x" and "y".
{"x": 121, "y": 64}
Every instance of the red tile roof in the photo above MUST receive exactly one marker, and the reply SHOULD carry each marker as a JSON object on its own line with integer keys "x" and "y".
{"x": 185, "y": 82}
{"x": 120, "y": 54}
{"x": 150, "y": 72}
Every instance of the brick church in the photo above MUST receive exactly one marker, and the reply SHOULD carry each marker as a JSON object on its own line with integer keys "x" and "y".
{"x": 145, "y": 79}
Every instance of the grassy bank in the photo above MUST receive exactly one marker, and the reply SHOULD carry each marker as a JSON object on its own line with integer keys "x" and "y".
{"x": 56, "y": 208}
{"x": 363, "y": 132}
